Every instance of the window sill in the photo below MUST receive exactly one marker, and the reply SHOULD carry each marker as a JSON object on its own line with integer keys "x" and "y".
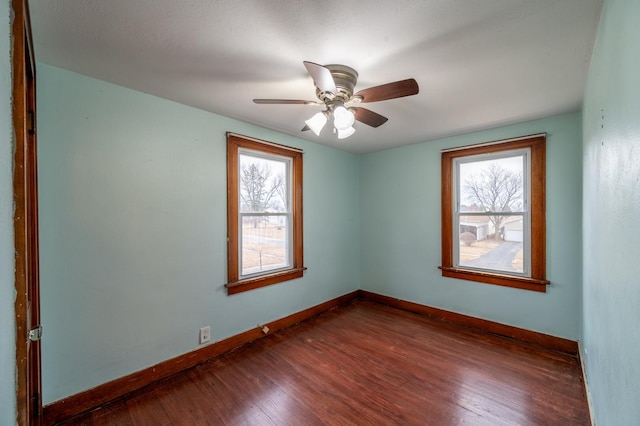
{"x": 496, "y": 279}
{"x": 264, "y": 280}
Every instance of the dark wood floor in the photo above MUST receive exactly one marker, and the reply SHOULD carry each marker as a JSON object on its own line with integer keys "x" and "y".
{"x": 365, "y": 364}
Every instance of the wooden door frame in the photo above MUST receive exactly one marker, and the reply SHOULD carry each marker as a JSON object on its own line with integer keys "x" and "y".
{"x": 25, "y": 197}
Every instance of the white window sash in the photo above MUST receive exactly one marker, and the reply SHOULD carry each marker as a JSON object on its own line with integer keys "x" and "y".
{"x": 288, "y": 214}
{"x": 525, "y": 213}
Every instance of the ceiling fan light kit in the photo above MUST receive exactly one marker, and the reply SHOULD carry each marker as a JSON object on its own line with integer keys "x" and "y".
{"x": 317, "y": 122}
{"x": 342, "y": 134}
{"x": 342, "y": 118}
{"x": 334, "y": 88}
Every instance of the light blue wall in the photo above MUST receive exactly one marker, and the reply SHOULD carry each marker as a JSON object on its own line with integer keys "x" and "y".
{"x": 611, "y": 162}
{"x": 400, "y": 232}
{"x": 7, "y": 283}
{"x": 132, "y": 203}
{"x": 133, "y": 231}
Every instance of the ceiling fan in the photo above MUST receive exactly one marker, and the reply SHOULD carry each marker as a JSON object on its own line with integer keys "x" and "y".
{"x": 334, "y": 89}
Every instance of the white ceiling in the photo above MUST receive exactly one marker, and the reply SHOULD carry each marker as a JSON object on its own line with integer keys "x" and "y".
{"x": 479, "y": 63}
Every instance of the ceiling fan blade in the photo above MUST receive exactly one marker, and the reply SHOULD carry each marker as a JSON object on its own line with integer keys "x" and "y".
{"x": 369, "y": 117}
{"x": 321, "y": 77}
{"x": 286, "y": 102}
{"x": 305, "y": 128}
{"x": 397, "y": 89}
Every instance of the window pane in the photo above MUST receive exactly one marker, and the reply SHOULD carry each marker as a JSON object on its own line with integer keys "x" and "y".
{"x": 263, "y": 184}
{"x": 495, "y": 185}
{"x": 480, "y": 246}
{"x": 265, "y": 243}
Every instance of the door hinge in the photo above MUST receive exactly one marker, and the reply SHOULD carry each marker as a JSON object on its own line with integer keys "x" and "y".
{"x": 35, "y": 399}
{"x": 32, "y": 123}
{"x": 35, "y": 334}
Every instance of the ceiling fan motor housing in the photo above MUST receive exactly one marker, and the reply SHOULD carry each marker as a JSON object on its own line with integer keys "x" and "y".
{"x": 345, "y": 79}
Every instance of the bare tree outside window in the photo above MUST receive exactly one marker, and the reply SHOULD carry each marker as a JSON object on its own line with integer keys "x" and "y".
{"x": 495, "y": 189}
{"x": 260, "y": 189}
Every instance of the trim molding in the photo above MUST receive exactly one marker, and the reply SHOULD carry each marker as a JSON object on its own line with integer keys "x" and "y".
{"x": 546, "y": 341}
{"x": 473, "y": 145}
{"x": 585, "y": 381}
{"x": 75, "y": 404}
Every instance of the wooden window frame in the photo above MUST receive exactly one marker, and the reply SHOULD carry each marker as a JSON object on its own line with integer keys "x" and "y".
{"x": 537, "y": 281}
{"x": 235, "y": 283}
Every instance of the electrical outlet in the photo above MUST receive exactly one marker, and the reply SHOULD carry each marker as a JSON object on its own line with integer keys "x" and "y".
{"x": 205, "y": 334}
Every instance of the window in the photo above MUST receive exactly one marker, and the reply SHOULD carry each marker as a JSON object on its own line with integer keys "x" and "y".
{"x": 493, "y": 213}
{"x": 264, "y": 213}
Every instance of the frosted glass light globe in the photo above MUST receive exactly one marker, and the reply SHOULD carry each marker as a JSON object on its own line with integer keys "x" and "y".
{"x": 343, "y": 118}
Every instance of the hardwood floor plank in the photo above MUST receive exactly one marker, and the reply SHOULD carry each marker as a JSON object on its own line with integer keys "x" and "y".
{"x": 366, "y": 363}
